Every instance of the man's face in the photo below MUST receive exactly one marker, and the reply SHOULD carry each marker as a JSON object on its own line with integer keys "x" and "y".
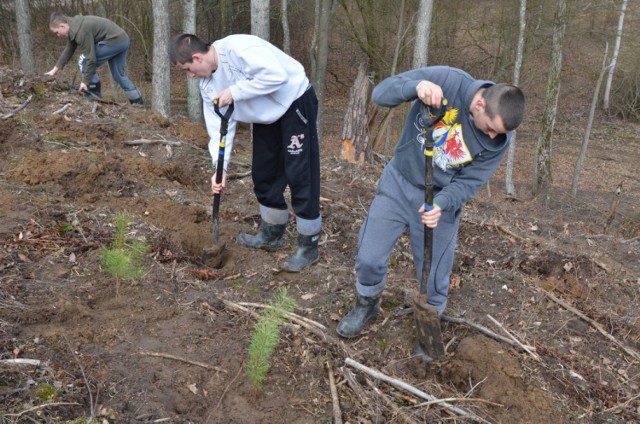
{"x": 490, "y": 126}
{"x": 62, "y": 30}
{"x": 197, "y": 68}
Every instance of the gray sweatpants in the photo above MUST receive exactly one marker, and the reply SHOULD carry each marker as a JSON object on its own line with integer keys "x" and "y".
{"x": 393, "y": 210}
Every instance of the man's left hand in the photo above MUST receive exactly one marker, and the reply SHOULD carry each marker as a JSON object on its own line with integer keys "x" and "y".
{"x": 431, "y": 218}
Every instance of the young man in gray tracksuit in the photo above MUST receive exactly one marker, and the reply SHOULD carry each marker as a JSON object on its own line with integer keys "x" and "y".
{"x": 270, "y": 90}
{"x": 470, "y": 142}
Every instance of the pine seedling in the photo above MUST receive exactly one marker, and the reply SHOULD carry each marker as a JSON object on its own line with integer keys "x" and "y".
{"x": 265, "y": 338}
{"x": 122, "y": 259}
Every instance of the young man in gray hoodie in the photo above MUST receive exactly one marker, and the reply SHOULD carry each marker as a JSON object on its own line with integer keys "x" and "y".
{"x": 470, "y": 142}
{"x": 100, "y": 40}
{"x": 269, "y": 89}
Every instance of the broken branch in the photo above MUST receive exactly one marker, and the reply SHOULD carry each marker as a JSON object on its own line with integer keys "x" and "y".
{"x": 593, "y": 323}
{"x": 485, "y": 331}
{"x": 404, "y": 386}
{"x": 337, "y": 415}
{"x": 528, "y": 349}
{"x": 22, "y": 106}
{"x": 147, "y": 141}
{"x": 177, "y": 358}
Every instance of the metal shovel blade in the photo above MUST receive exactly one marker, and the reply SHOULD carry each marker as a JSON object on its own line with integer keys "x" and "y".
{"x": 215, "y": 256}
{"x": 429, "y": 343}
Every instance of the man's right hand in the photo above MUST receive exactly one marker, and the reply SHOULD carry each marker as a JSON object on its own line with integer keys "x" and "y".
{"x": 217, "y": 188}
{"x": 430, "y": 93}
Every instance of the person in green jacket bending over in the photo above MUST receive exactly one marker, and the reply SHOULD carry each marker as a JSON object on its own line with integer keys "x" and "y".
{"x": 100, "y": 40}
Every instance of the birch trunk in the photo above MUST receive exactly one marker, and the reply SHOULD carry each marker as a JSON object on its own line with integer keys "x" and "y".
{"x": 511, "y": 189}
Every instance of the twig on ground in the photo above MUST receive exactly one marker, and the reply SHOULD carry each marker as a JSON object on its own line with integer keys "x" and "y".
{"x": 391, "y": 404}
{"x": 21, "y": 361}
{"x": 510, "y": 233}
{"x": 147, "y": 141}
{"x": 337, "y": 415}
{"x": 177, "y": 358}
{"x": 93, "y": 407}
{"x": 593, "y": 323}
{"x": 293, "y": 315}
{"x": 224, "y": 392}
{"x": 530, "y": 350}
{"x": 458, "y": 399}
{"x": 350, "y": 378}
{"x": 252, "y": 313}
{"x": 22, "y": 106}
{"x": 484, "y": 330}
{"x": 303, "y": 323}
{"x": 44, "y": 405}
{"x": 405, "y": 386}
{"x": 62, "y": 109}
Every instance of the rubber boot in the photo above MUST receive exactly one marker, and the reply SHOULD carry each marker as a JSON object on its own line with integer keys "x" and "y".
{"x": 95, "y": 90}
{"x": 268, "y": 238}
{"x": 353, "y": 323}
{"x": 305, "y": 255}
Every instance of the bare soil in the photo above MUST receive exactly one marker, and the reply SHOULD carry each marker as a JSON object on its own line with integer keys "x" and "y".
{"x": 168, "y": 349}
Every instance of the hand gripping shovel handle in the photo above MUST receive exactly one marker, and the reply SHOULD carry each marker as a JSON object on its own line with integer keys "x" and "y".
{"x": 430, "y": 118}
{"x": 224, "y": 126}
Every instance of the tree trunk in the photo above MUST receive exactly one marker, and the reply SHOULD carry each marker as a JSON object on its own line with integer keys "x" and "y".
{"x": 194, "y": 99}
{"x": 260, "y": 18}
{"x": 543, "y": 177}
{"x": 587, "y": 133}
{"x": 355, "y": 134}
{"x": 614, "y": 56}
{"x": 511, "y": 190}
{"x": 423, "y": 26}
{"x": 161, "y": 81}
{"x": 286, "y": 34}
{"x": 323, "y": 57}
{"x": 25, "y": 39}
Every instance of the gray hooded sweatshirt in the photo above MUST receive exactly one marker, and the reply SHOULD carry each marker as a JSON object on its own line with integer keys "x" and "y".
{"x": 465, "y": 158}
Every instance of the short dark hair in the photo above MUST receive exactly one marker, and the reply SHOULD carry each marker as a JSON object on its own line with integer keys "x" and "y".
{"x": 183, "y": 47}
{"x": 506, "y": 101}
{"x": 57, "y": 18}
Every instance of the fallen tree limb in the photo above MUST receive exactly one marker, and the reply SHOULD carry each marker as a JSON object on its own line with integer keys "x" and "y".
{"x": 311, "y": 327}
{"x": 391, "y": 404}
{"x": 21, "y": 361}
{"x": 262, "y": 306}
{"x": 407, "y": 387}
{"x": 147, "y": 141}
{"x": 44, "y": 405}
{"x": 593, "y": 323}
{"x": 484, "y": 330}
{"x": 62, "y": 109}
{"x": 22, "y": 106}
{"x": 177, "y": 358}
{"x": 530, "y": 350}
{"x": 337, "y": 414}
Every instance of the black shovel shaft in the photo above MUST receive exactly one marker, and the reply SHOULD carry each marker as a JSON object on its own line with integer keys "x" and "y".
{"x": 224, "y": 125}
{"x": 429, "y": 121}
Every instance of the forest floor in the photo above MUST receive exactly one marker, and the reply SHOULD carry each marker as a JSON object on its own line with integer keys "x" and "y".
{"x": 172, "y": 345}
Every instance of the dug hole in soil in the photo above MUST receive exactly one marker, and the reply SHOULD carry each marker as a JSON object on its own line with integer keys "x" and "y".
{"x": 169, "y": 347}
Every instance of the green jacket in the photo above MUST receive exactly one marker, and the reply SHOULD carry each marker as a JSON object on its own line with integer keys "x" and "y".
{"x": 85, "y": 32}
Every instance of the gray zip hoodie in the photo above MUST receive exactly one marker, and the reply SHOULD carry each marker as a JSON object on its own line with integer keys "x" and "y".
{"x": 264, "y": 83}
{"x": 465, "y": 158}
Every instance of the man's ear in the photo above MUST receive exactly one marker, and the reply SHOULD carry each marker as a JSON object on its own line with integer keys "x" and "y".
{"x": 197, "y": 57}
{"x": 480, "y": 104}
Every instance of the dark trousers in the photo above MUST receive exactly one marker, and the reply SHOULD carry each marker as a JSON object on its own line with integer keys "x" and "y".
{"x": 287, "y": 152}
